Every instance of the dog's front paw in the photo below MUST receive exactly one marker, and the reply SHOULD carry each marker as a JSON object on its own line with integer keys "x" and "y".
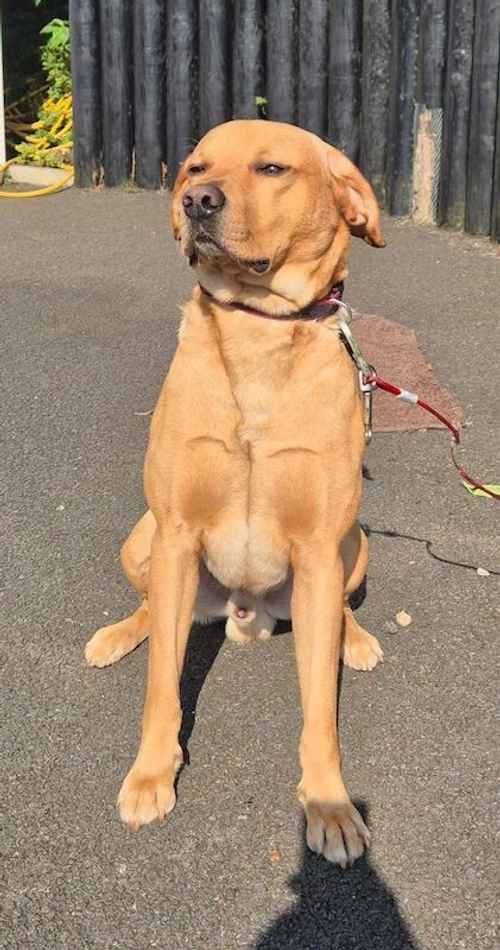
{"x": 145, "y": 798}
{"x": 336, "y": 830}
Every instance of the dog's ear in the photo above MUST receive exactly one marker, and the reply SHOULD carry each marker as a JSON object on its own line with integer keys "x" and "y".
{"x": 354, "y": 198}
{"x": 175, "y": 209}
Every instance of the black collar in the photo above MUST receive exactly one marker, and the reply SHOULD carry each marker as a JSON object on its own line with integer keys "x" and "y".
{"x": 317, "y": 310}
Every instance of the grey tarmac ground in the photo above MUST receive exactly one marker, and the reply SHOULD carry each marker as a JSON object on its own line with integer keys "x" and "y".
{"x": 90, "y": 288}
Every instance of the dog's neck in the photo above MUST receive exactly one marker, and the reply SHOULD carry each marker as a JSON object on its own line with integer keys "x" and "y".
{"x": 259, "y": 356}
{"x": 291, "y": 289}
{"x": 317, "y": 310}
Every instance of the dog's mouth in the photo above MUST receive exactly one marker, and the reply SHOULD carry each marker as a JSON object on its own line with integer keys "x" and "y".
{"x": 206, "y": 244}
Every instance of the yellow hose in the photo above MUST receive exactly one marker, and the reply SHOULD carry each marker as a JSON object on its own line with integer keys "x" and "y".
{"x": 49, "y": 190}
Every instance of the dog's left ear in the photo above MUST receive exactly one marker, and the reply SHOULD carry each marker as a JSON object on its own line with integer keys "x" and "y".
{"x": 355, "y": 198}
{"x": 175, "y": 209}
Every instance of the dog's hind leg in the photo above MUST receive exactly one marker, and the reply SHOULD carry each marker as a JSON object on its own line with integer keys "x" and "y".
{"x": 361, "y": 650}
{"x": 110, "y": 643}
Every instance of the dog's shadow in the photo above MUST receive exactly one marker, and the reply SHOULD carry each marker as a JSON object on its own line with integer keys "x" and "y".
{"x": 338, "y": 910}
{"x": 205, "y": 641}
{"x": 335, "y": 909}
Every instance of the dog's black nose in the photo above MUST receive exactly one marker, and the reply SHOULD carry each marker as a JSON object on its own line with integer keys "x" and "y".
{"x": 203, "y": 201}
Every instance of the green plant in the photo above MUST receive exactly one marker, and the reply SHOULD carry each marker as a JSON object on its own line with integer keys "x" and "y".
{"x": 261, "y": 103}
{"x": 56, "y": 57}
{"x": 50, "y": 142}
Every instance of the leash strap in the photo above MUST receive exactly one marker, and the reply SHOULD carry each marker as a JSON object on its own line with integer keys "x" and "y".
{"x": 374, "y": 380}
{"x": 370, "y": 380}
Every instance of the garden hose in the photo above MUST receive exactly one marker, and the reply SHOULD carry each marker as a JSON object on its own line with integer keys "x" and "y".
{"x": 38, "y": 192}
{"x": 50, "y": 134}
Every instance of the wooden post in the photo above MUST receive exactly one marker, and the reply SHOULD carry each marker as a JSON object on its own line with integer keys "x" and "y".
{"x": 344, "y": 104}
{"x": 312, "y": 98}
{"x": 149, "y": 77}
{"x": 431, "y": 52}
{"x": 399, "y": 178}
{"x": 375, "y": 93}
{"x": 215, "y": 64}
{"x": 182, "y": 83}
{"x": 2, "y": 104}
{"x": 495, "y": 211}
{"x": 85, "y": 78}
{"x": 248, "y": 49}
{"x": 483, "y": 111}
{"x": 429, "y": 95}
{"x": 116, "y": 58}
{"x": 281, "y": 46}
{"x": 456, "y": 114}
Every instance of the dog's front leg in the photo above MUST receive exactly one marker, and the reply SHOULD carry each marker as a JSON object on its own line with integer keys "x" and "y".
{"x": 148, "y": 790}
{"x": 334, "y": 827}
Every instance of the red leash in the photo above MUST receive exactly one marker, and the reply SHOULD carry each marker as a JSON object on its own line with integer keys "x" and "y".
{"x": 407, "y": 396}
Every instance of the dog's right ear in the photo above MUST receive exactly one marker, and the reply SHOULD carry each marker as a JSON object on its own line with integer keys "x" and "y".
{"x": 355, "y": 198}
{"x": 175, "y": 208}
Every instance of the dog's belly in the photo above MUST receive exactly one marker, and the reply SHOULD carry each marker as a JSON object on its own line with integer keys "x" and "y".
{"x": 247, "y": 553}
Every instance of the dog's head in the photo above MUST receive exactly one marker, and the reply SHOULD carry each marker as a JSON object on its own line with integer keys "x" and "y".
{"x": 264, "y": 211}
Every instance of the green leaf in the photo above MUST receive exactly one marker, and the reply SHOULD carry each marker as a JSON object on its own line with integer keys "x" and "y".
{"x": 55, "y": 26}
{"x": 478, "y": 492}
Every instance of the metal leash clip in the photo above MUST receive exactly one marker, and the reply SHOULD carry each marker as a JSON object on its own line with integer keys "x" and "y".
{"x": 367, "y": 390}
{"x": 365, "y": 371}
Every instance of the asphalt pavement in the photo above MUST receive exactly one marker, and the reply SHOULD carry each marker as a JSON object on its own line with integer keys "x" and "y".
{"x": 90, "y": 289}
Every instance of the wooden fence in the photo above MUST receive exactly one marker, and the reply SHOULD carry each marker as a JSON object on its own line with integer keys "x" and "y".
{"x": 409, "y": 89}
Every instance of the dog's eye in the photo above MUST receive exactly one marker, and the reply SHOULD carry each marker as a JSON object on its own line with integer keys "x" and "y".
{"x": 196, "y": 169}
{"x": 271, "y": 169}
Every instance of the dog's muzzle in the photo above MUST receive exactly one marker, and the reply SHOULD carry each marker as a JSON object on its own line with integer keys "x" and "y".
{"x": 202, "y": 202}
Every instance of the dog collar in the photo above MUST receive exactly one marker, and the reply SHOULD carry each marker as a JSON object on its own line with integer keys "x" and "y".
{"x": 317, "y": 310}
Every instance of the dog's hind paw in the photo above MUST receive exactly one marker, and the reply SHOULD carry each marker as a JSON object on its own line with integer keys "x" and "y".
{"x": 362, "y": 651}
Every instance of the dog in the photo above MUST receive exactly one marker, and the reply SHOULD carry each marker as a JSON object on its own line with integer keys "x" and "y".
{"x": 253, "y": 473}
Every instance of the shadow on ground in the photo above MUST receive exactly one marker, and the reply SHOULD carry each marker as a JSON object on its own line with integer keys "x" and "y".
{"x": 339, "y": 910}
{"x": 203, "y": 646}
{"x": 335, "y": 909}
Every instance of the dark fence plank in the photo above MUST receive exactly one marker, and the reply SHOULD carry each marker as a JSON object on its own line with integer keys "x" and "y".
{"x": 116, "y": 39}
{"x": 248, "y": 52}
{"x": 281, "y": 60}
{"x": 375, "y": 92}
{"x": 312, "y": 98}
{"x": 482, "y": 124}
{"x": 432, "y": 30}
{"x": 215, "y": 63}
{"x": 344, "y": 100}
{"x": 431, "y": 52}
{"x": 182, "y": 83}
{"x": 401, "y": 106}
{"x": 85, "y": 73}
{"x": 495, "y": 211}
{"x": 456, "y": 114}
{"x": 375, "y": 77}
{"x": 149, "y": 66}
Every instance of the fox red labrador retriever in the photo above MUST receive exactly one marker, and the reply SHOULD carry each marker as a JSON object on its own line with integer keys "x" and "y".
{"x": 253, "y": 472}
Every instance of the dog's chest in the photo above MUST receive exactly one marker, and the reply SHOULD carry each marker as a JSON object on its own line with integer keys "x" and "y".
{"x": 254, "y": 398}
{"x": 256, "y": 465}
